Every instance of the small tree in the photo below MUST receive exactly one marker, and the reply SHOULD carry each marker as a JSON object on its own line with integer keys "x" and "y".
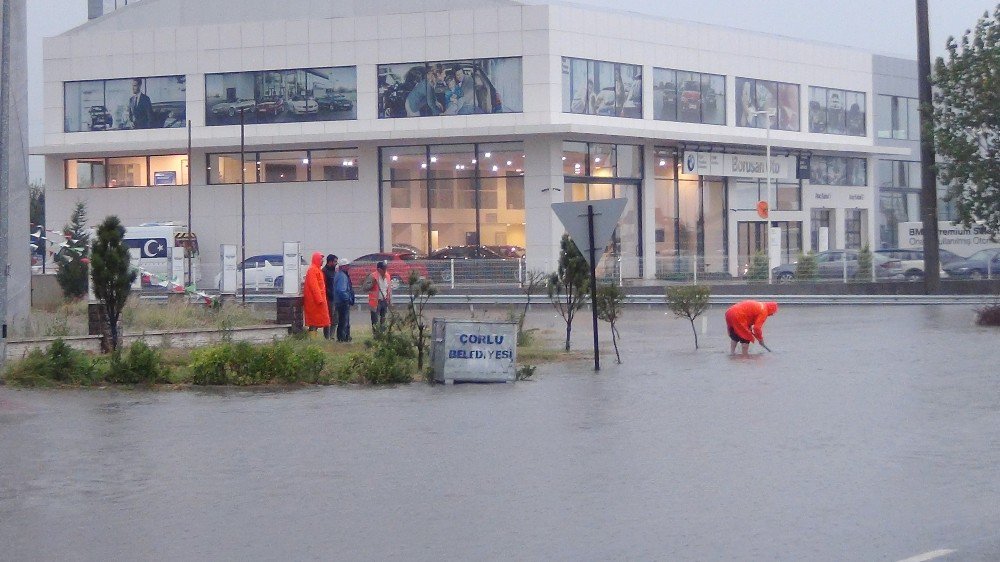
{"x": 610, "y": 304}
{"x": 71, "y": 260}
{"x": 112, "y": 277}
{"x": 421, "y": 291}
{"x": 864, "y": 272}
{"x": 568, "y": 286}
{"x": 806, "y": 269}
{"x": 688, "y": 301}
{"x": 36, "y": 202}
{"x": 759, "y": 264}
{"x": 533, "y": 282}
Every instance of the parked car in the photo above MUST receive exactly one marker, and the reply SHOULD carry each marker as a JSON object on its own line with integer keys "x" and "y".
{"x": 302, "y": 105}
{"x": 508, "y": 251}
{"x": 912, "y": 261}
{"x": 399, "y": 266}
{"x": 977, "y": 266}
{"x": 472, "y": 264}
{"x": 266, "y": 271}
{"x": 830, "y": 265}
{"x": 690, "y": 97}
{"x": 401, "y": 248}
{"x": 271, "y": 105}
{"x": 231, "y": 108}
{"x": 334, "y": 102}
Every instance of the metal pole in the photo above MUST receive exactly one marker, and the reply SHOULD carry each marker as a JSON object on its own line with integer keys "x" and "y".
{"x": 243, "y": 204}
{"x": 593, "y": 284}
{"x": 189, "y": 250}
{"x": 767, "y": 166}
{"x": 928, "y": 192}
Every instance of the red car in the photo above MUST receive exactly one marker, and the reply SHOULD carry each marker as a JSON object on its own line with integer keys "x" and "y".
{"x": 272, "y": 105}
{"x": 399, "y": 265}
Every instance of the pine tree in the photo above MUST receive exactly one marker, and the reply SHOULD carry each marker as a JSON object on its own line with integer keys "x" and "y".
{"x": 71, "y": 260}
{"x": 112, "y": 277}
{"x": 568, "y": 286}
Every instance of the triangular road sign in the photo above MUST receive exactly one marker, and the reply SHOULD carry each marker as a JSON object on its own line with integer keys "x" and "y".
{"x": 574, "y": 218}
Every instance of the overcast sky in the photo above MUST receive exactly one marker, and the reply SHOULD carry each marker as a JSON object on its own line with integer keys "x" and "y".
{"x": 883, "y": 26}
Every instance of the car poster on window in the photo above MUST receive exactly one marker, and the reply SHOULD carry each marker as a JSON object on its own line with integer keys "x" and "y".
{"x": 282, "y": 96}
{"x": 458, "y": 87}
{"x": 125, "y": 104}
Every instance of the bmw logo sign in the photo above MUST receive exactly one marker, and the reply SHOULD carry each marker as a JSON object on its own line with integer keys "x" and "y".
{"x": 691, "y": 162}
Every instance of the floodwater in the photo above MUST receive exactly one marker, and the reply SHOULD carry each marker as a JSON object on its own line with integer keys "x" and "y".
{"x": 870, "y": 433}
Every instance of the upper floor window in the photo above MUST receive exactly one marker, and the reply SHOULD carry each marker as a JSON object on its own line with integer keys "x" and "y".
{"x": 837, "y": 112}
{"x": 127, "y": 171}
{"x": 593, "y": 87}
{"x": 689, "y": 97}
{"x": 897, "y": 117}
{"x": 284, "y": 166}
{"x": 125, "y": 104}
{"x": 898, "y": 174}
{"x": 458, "y": 87}
{"x": 282, "y": 96}
{"x": 756, "y": 99}
{"x": 838, "y": 170}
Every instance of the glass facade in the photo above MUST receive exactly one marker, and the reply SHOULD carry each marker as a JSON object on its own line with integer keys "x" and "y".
{"x": 899, "y": 198}
{"x": 837, "y": 112}
{"x": 127, "y": 171}
{"x": 779, "y": 100}
{"x": 454, "y": 195}
{"x": 284, "y": 166}
{"x": 593, "y": 87}
{"x": 689, "y": 97}
{"x": 897, "y": 117}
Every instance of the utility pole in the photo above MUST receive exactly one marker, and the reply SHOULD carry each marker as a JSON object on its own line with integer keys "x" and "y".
{"x": 5, "y": 154}
{"x": 928, "y": 192}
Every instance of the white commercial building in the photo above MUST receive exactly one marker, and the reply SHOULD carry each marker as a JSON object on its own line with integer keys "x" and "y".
{"x": 459, "y": 122}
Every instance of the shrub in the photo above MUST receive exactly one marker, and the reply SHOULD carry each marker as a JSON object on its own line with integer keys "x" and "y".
{"x": 59, "y": 363}
{"x": 759, "y": 265}
{"x": 242, "y": 364}
{"x": 864, "y": 272}
{"x": 140, "y": 364}
{"x": 807, "y": 269}
{"x": 988, "y": 315}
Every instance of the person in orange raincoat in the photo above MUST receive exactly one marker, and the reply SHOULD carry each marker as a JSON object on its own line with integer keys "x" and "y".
{"x": 314, "y": 306}
{"x": 745, "y": 321}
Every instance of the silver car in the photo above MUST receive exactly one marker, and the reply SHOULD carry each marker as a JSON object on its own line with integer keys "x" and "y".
{"x": 832, "y": 264}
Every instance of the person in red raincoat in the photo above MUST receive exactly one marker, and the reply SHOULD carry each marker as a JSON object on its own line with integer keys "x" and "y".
{"x": 745, "y": 321}
{"x": 314, "y": 306}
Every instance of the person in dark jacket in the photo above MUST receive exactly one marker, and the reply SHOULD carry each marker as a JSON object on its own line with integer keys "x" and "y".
{"x": 343, "y": 297}
{"x": 329, "y": 272}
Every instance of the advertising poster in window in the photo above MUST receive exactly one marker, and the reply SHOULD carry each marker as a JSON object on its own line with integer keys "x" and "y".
{"x": 282, "y": 96}
{"x": 836, "y": 115}
{"x": 602, "y": 88}
{"x": 459, "y": 87}
{"x": 855, "y": 103}
{"x": 125, "y": 104}
{"x": 817, "y": 110}
{"x": 746, "y": 102}
{"x": 788, "y": 107}
{"x": 664, "y": 94}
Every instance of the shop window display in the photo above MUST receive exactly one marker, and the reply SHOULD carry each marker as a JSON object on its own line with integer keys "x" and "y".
{"x": 282, "y": 96}
{"x": 603, "y": 88}
{"x": 458, "y": 87}
{"x": 157, "y": 102}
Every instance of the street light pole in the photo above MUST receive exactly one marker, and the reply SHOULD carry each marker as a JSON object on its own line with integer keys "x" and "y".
{"x": 189, "y": 248}
{"x": 767, "y": 113}
{"x": 243, "y": 204}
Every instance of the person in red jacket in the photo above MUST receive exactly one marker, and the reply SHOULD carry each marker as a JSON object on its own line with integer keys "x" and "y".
{"x": 745, "y": 321}
{"x": 315, "y": 311}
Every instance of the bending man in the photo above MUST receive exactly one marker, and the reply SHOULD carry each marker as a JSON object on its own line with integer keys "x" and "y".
{"x": 745, "y": 321}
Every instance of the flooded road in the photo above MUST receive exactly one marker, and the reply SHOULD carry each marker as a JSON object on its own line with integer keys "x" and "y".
{"x": 869, "y": 434}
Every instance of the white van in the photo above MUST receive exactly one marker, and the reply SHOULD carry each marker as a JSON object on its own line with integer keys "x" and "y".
{"x": 153, "y": 246}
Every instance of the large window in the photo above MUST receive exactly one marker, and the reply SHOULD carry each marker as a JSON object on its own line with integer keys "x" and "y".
{"x": 455, "y": 195}
{"x": 899, "y": 197}
{"x": 127, "y": 171}
{"x": 838, "y": 112}
{"x": 746, "y": 192}
{"x": 282, "y": 96}
{"x": 838, "y": 170}
{"x": 284, "y": 166}
{"x": 690, "y": 97}
{"x": 897, "y": 117}
{"x": 127, "y": 103}
{"x": 755, "y": 99}
{"x": 593, "y": 87}
{"x": 458, "y": 87}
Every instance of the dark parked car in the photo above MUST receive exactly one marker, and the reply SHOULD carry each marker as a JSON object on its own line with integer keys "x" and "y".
{"x": 334, "y": 102}
{"x": 830, "y": 265}
{"x": 473, "y": 264}
{"x": 977, "y": 266}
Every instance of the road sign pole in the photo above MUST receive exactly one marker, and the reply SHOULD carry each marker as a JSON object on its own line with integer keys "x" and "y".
{"x": 593, "y": 284}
